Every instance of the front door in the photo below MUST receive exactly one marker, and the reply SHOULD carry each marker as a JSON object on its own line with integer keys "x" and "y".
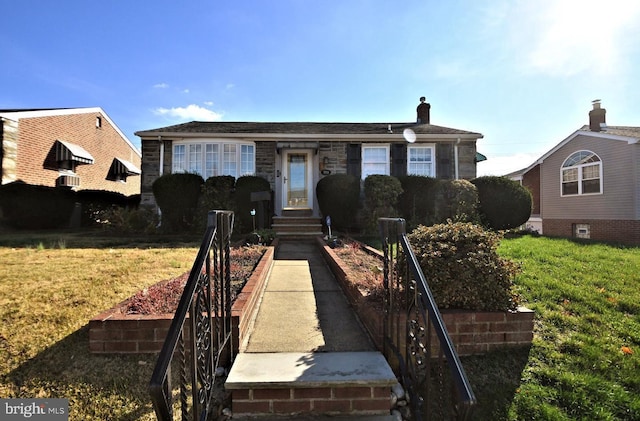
{"x": 297, "y": 178}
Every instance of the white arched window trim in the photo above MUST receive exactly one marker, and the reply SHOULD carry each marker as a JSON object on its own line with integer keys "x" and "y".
{"x": 581, "y": 174}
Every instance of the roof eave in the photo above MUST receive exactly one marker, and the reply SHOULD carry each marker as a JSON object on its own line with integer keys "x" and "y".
{"x": 152, "y": 135}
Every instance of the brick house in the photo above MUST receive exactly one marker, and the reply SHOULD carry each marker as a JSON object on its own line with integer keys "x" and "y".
{"x": 293, "y": 156}
{"x": 79, "y": 148}
{"x": 588, "y": 185}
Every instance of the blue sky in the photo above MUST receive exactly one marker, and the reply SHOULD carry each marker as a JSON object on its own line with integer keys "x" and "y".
{"x": 522, "y": 73}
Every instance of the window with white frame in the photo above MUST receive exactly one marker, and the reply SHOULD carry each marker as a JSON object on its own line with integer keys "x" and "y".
{"x": 375, "y": 160}
{"x": 211, "y": 159}
{"x": 420, "y": 160}
{"x": 581, "y": 173}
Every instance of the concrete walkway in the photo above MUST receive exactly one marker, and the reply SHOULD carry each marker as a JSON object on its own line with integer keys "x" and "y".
{"x": 303, "y": 308}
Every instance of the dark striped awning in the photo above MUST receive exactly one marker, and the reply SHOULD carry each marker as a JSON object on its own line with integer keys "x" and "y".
{"x": 122, "y": 167}
{"x": 66, "y": 151}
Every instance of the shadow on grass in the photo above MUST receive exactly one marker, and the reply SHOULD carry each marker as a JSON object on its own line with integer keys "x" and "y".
{"x": 495, "y": 378}
{"x": 98, "y": 387}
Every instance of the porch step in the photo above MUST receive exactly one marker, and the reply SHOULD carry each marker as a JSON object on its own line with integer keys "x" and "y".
{"x": 306, "y": 383}
{"x": 297, "y": 227}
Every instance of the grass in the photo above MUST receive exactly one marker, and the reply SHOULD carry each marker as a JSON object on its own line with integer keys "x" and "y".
{"x": 584, "y": 362}
{"x": 50, "y": 287}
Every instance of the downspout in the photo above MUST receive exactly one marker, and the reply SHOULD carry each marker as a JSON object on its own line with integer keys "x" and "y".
{"x": 160, "y": 173}
{"x": 455, "y": 158}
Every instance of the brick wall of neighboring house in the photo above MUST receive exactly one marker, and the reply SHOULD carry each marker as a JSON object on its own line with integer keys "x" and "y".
{"x": 627, "y": 232}
{"x": 531, "y": 180}
{"x": 37, "y": 136}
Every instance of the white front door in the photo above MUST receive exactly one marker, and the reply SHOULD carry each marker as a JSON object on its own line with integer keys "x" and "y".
{"x": 297, "y": 188}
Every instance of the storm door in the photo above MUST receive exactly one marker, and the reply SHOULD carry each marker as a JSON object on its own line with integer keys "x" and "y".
{"x": 297, "y": 180}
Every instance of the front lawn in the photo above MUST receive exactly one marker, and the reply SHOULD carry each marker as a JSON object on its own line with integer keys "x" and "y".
{"x": 584, "y": 362}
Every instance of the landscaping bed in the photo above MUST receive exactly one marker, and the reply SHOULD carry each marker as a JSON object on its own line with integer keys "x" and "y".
{"x": 358, "y": 269}
{"x": 140, "y": 323}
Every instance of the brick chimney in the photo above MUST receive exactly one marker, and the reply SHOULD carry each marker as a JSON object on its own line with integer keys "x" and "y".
{"x": 423, "y": 111}
{"x": 597, "y": 117}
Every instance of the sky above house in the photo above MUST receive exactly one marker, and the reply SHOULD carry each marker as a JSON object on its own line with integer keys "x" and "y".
{"x": 522, "y": 73}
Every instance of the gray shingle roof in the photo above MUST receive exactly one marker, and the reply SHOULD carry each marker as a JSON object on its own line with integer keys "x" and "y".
{"x": 303, "y": 128}
{"x": 628, "y": 131}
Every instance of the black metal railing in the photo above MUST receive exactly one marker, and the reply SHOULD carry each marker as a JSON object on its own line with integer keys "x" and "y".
{"x": 416, "y": 341}
{"x": 199, "y": 340}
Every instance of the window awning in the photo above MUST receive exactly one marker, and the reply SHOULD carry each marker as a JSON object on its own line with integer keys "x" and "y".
{"x": 480, "y": 157}
{"x": 122, "y": 167}
{"x": 66, "y": 151}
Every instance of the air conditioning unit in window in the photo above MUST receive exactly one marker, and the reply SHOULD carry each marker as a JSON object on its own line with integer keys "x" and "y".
{"x": 68, "y": 181}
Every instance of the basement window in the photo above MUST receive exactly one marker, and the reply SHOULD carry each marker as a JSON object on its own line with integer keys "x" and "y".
{"x": 582, "y": 231}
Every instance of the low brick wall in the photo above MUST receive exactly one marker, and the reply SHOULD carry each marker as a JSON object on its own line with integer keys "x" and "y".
{"x": 471, "y": 332}
{"x": 115, "y": 332}
{"x": 316, "y": 400}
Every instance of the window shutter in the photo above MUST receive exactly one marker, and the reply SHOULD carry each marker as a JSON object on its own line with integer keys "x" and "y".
{"x": 444, "y": 158}
{"x": 354, "y": 159}
{"x": 398, "y": 159}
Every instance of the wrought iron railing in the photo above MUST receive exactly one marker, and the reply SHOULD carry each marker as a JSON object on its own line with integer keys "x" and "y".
{"x": 416, "y": 341}
{"x": 199, "y": 340}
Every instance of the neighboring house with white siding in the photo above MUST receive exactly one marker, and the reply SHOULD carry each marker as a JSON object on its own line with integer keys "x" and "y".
{"x": 588, "y": 185}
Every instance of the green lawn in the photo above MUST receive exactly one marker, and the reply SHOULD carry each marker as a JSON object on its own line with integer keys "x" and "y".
{"x": 584, "y": 362}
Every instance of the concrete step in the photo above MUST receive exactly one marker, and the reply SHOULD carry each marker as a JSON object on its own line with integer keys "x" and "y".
{"x": 298, "y": 227}
{"x": 310, "y": 384}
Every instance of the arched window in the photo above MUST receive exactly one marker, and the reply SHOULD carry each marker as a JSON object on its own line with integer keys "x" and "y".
{"x": 581, "y": 173}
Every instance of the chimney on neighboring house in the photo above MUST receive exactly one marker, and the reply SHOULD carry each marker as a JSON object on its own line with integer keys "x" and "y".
{"x": 423, "y": 111}
{"x": 597, "y": 120}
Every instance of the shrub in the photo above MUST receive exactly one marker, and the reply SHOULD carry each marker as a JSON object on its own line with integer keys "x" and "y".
{"x": 504, "y": 203}
{"x": 129, "y": 220}
{"x": 381, "y": 194}
{"x": 338, "y": 196}
{"x": 26, "y": 206}
{"x": 217, "y": 194}
{"x": 96, "y": 202}
{"x": 455, "y": 200}
{"x": 415, "y": 204}
{"x": 463, "y": 268}
{"x": 246, "y": 185}
{"x": 177, "y": 196}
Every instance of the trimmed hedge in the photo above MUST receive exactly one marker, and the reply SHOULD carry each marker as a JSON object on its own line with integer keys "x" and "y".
{"x": 177, "y": 197}
{"x": 338, "y": 196}
{"x": 217, "y": 194}
{"x": 416, "y": 202}
{"x": 246, "y": 185}
{"x": 504, "y": 203}
{"x": 463, "y": 268}
{"x": 455, "y": 200}
{"x": 26, "y": 206}
{"x": 381, "y": 193}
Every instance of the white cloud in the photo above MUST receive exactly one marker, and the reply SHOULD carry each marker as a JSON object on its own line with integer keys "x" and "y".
{"x": 208, "y": 103}
{"x": 161, "y": 85}
{"x": 190, "y": 112}
{"x": 185, "y": 91}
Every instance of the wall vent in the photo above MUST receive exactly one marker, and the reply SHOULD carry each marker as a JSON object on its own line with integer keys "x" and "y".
{"x": 581, "y": 231}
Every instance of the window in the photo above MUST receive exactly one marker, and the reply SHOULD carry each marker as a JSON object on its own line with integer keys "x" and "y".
{"x": 581, "y": 174}
{"x": 211, "y": 159}
{"x": 420, "y": 161}
{"x": 375, "y": 160}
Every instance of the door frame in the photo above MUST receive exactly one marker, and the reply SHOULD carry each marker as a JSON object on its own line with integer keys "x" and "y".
{"x": 281, "y": 173}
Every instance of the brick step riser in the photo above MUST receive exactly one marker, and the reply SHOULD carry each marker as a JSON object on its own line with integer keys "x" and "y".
{"x": 359, "y": 400}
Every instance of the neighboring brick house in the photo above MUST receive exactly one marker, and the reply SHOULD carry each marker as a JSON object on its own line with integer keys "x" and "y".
{"x": 79, "y": 148}
{"x": 588, "y": 186}
{"x": 294, "y": 156}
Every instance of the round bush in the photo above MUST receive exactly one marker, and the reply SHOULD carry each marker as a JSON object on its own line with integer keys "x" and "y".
{"x": 455, "y": 200}
{"x": 381, "y": 194}
{"x": 246, "y": 185}
{"x": 463, "y": 268}
{"x": 504, "y": 203}
{"x": 415, "y": 204}
{"x": 177, "y": 196}
{"x": 338, "y": 196}
{"x": 217, "y": 194}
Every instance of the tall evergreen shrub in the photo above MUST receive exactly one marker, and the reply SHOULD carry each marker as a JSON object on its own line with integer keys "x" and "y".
{"x": 27, "y": 206}
{"x": 415, "y": 204}
{"x": 246, "y": 185}
{"x": 381, "y": 194}
{"x": 504, "y": 203}
{"x": 177, "y": 196}
{"x": 217, "y": 194}
{"x": 338, "y": 196}
{"x": 455, "y": 200}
